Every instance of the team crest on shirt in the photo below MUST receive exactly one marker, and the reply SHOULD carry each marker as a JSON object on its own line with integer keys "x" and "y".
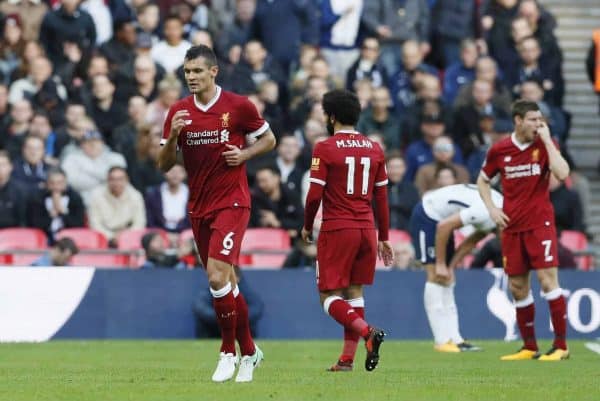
{"x": 225, "y": 120}
{"x": 535, "y": 155}
{"x": 314, "y": 166}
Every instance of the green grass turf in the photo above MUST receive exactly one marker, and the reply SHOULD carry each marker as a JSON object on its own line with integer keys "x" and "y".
{"x": 292, "y": 370}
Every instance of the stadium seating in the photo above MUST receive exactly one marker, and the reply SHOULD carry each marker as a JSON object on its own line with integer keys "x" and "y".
{"x": 18, "y": 238}
{"x": 185, "y": 235}
{"x": 132, "y": 239}
{"x": 85, "y": 238}
{"x": 578, "y": 243}
{"x": 267, "y": 247}
{"x": 112, "y": 260}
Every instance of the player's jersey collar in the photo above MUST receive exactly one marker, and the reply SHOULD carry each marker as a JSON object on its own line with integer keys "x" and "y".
{"x": 346, "y": 131}
{"x": 515, "y": 141}
{"x": 207, "y": 106}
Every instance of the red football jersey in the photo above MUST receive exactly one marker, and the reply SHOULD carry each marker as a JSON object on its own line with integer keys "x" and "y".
{"x": 226, "y": 119}
{"x": 525, "y": 175}
{"x": 349, "y": 166}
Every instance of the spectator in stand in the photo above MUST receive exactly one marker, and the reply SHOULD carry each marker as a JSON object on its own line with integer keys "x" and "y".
{"x": 87, "y": 166}
{"x": 268, "y": 93}
{"x": 31, "y": 50}
{"x": 121, "y": 48}
{"x": 40, "y": 71}
{"x": 125, "y": 135}
{"x": 402, "y": 85}
{"x": 313, "y": 93}
{"x": 169, "y": 91}
{"x": 468, "y": 120}
{"x": 284, "y": 26}
{"x": 501, "y": 128}
{"x": 404, "y": 256}
{"x": 29, "y": 13}
{"x": 486, "y": 70}
{"x": 4, "y": 108}
{"x": 394, "y": 23}
{"x": 497, "y": 16}
{"x": 274, "y": 205}
{"x": 557, "y": 119}
{"x": 169, "y": 53}
{"x": 443, "y": 152}
{"x": 312, "y": 131}
{"x": 420, "y": 152}
{"x": 445, "y": 175}
{"x": 367, "y": 66}
{"x": 106, "y": 111}
{"x": 11, "y": 46}
{"x": 378, "y": 118}
{"x": 452, "y": 21}
{"x": 67, "y": 23}
{"x": 148, "y": 21}
{"x": 54, "y": 141}
{"x": 76, "y": 133}
{"x": 158, "y": 256}
{"x": 568, "y": 212}
{"x": 144, "y": 171}
{"x": 320, "y": 68}
{"x": 259, "y": 67}
{"x": 301, "y": 72}
{"x": 132, "y": 79}
{"x": 542, "y": 25}
{"x": 143, "y": 83}
{"x": 59, "y": 254}
{"x": 166, "y": 204}
{"x": 532, "y": 67}
{"x": 340, "y": 23}
{"x": 460, "y": 72}
{"x": 288, "y": 152}
{"x": 14, "y": 133}
{"x": 103, "y": 20}
{"x": 30, "y": 170}
{"x": 592, "y": 64}
{"x": 55, "y": 207}
{"x": 12, "y": 195}
{"x": 116, "y": 206}
{"x": 240, "y": 30}
{"x": 402, "y": 194}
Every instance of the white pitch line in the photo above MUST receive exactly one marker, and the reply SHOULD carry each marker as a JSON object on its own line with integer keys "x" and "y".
{"x": 594, "y": 347}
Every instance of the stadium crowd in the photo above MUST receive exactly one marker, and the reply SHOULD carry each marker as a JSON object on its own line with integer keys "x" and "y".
{"x": 85, "y": 88}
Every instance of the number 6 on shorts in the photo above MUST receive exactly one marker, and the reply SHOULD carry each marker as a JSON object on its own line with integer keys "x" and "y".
{"x": 227, "y": 243}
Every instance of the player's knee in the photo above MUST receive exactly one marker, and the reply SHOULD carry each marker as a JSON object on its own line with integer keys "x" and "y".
{"x": 218, "y": 280}
{"x": 519, "y": 290}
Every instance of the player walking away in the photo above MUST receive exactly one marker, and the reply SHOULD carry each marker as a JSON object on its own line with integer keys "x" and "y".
{"x": 347, "y": 170}
{"x": 525, "y": 161}
{"x": 432, "y": 226}
{"x": 210, "y": 129}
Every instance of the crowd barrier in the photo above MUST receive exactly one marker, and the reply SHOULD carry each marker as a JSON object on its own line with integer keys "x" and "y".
{"x": 39, "y": 304}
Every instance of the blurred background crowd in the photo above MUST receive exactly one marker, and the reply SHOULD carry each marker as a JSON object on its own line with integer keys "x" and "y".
{"x": 85, "y": 87}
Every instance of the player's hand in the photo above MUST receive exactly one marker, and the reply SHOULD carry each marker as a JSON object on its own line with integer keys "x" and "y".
{"x": 385, "y": 252}
{"x": 306, "y": 236}
{"x": 544, "y": 133}
{"x": 234, "y": 156}
{"x": 499, "y": 218}
{"x": 441, "y": 270}
{"x": 178, "y": 122}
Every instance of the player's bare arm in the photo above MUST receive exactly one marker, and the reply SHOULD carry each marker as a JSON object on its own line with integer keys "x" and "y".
{"x": 445, "y": 228}
{"x": 558, "y": 164}
{"x": 167, "y": 156}
{"x": 465, "y": 248}
{"x": 235, "y": 156}
{"x": 485, "y": 191}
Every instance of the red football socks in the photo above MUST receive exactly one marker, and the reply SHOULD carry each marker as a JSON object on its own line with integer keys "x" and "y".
{"x": 558, "y": 314}
{"x": 242, "y": 329}
{"x": 225, "y": 309}
{"x": 525, "y": 320}
{"x": 351, "y": 339}
{"x": 345, "y": 315}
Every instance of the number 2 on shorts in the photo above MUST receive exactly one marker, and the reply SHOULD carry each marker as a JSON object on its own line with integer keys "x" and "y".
{"x": 227, "y": 244}
{"x": 547, "y": 245}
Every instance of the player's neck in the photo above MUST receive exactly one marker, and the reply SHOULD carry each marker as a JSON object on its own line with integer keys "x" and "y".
{"x": 519, "y": 137}
{"x": 206, "y": 96}
{"x": 343, "y": 129}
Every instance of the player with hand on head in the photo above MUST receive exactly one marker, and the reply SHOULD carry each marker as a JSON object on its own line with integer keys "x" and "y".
{"x": 347, "y": 171}
{"x": 432, "y": 226}
{"x": 525, "y": 161}
{"x": 210, "y": 128}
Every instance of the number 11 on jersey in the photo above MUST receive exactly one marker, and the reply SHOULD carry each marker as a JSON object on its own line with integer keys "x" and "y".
{"x": 351, "y": 162}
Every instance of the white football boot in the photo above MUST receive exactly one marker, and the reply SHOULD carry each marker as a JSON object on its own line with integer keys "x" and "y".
{"x": 247, "y": 365}
{"x": 225, "y": 368}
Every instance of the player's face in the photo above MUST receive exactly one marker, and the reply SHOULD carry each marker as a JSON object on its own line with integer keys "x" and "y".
{"x": 529, "y": 124}
{"x": 199, "y": 76}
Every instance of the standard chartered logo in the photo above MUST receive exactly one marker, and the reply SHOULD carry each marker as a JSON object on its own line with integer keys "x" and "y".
{"x": 573, "y": 310}
{"x": 224, "y": 136}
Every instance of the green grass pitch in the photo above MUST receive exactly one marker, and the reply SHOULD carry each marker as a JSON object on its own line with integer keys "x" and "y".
{"x": 292, "y": 370}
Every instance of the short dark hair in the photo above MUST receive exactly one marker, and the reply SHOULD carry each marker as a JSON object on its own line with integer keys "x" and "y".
{"x": 202, "y": 51}
{"x": 394, "y": 154}
{"x": 269, "y": 167}
{"x": 343, "y": 105}
{"x": 55, "y": 171}
{"x": 522, "y": 107}
{"x": 441, "y": 167}
{"x": 6, "y": 155}
{"x": 67, "y": 244}
{"x": 117, "y": 168}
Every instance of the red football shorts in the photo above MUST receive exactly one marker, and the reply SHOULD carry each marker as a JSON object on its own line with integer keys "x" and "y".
{"x": 219, "y": 234}
{"x": 345, "y": 257}
{"x": 526, "y": 250}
